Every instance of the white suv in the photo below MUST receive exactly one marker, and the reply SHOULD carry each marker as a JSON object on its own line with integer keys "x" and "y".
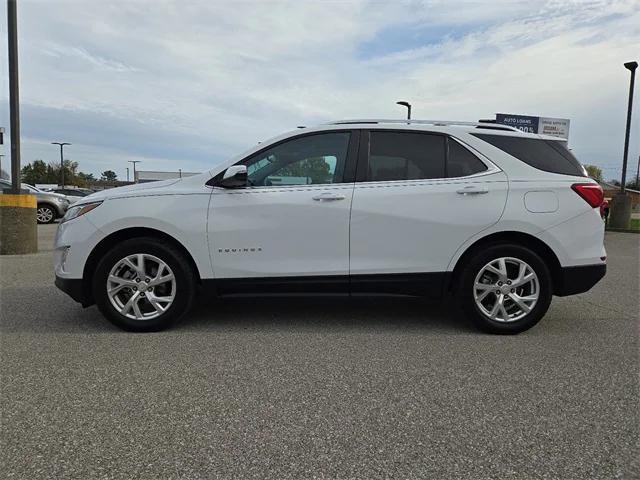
{"x": 500, "y": 219}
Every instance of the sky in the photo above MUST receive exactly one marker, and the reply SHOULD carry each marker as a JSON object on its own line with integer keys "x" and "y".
{"x": 186, "y": 84}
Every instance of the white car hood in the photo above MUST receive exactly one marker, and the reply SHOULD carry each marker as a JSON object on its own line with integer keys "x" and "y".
{"x": 129, "y": 190}
{"x": 151, "y": 188}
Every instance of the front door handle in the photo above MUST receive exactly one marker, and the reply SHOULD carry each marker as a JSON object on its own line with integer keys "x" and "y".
{"x": 328, "y": 197}
{"x": 472, "y": 190}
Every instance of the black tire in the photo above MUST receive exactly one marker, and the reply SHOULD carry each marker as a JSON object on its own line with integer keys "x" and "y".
{"x": 465, "y": 289}
{"x": 45, "y": 214}
{"x": 185, "y": 283}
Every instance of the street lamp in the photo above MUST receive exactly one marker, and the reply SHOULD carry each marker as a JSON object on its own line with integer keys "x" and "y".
{"x": 62, "y": 144}
{"x": 134, "y": 168}
{"x": 621, "y": 203}
{"x": 408, "y": 105}
{"x": 631, "y": 66}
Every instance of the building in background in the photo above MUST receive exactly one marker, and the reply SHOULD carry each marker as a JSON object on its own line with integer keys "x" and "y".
{"x": 144, "y": 176}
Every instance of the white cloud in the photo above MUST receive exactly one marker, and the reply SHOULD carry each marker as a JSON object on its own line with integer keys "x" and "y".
{"x": 188, "y": 83}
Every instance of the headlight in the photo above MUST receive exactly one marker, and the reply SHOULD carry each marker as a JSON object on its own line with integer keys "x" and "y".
{"x": 78, "y": 210}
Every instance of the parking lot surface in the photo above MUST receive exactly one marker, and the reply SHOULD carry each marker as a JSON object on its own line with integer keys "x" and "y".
{"x": 319, "y": 389}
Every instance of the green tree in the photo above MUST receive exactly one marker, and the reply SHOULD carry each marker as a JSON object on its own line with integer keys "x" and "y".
{"x": 109, "y": 176}
{"x": 84, "y": 179}
{"x": 40, "y": 172}
{"x": 634, "y": 184}
{"x": 36, "y": 172}
{"x": 594, "y": 172}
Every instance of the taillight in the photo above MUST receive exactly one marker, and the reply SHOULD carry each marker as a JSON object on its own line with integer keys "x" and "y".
{"x": 590, "y": 192}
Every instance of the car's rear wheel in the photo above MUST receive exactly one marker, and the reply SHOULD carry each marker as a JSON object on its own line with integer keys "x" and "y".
{"x": 45, "y": 214}
{"x": 144, "y": 284}
{"x": 505, "y": 289}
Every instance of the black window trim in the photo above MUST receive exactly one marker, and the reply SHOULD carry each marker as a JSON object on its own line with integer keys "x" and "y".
{"x": 348, "y": 170}
{"x": 364, "y": 149}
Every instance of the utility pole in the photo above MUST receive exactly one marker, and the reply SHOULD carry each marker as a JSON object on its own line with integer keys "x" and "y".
{"x": 19, "y": 233}
{"x": 1, "y": 143}
{"x": 62, "y": 144}
{"x": 14, "y": 95}
{"x": 638, "y": 175}
{"x": 134, "y": 169}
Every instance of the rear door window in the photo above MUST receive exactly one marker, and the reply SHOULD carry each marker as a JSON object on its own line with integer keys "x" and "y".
{"x": 461, "y": 162}
{"x": 405, "y": 156}
{"x": 548, "y": 155}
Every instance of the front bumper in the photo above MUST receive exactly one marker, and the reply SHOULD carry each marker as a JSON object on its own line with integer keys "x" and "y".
{"x": 61, "y": 208}
{"x": 74, "y": 287}
{"x": 579, "y": 279}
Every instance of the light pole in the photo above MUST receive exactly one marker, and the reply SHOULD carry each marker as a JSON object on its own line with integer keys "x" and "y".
{"x": 62, "y": 144}
{"x": 631, "y": 66}
{"x": 621, "y": 203}
{"x": 134, "y": 169}
{"x": 408, "y": 105}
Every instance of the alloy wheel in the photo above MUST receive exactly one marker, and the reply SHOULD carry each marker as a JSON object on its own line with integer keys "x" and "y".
{"x": 506, "y": 289}
{"x": 141, "y": 286}
{"x": 44, "y": 215}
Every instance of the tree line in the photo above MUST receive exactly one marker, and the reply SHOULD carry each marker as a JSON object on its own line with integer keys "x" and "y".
{"x": 596, "y": 173}
{"x": 51, "y": 173}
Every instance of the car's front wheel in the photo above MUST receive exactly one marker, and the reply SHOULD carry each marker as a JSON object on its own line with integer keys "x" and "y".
{"x": 505, "y": 289}
{"x": 45, "y": 214}
{"x": 144, "y": 284}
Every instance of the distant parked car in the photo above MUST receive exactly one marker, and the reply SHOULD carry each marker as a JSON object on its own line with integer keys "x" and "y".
{"x": 50, "y": 205}
{"x": 72, "y": 194}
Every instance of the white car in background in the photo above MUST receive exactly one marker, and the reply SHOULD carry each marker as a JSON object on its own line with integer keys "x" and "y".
{"x": 500, "y": 219}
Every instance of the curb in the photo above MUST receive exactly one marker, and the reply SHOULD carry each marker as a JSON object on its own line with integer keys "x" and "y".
{"x": 621, "y": 230}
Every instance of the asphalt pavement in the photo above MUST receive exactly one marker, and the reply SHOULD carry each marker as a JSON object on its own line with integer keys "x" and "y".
{"x": 319, "y": 389}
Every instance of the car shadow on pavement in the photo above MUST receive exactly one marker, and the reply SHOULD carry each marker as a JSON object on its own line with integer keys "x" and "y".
{"x": 323, "y": 314}
{"x": 52, "y": 311}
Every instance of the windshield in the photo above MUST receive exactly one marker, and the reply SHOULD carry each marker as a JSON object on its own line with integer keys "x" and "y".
{"x": 31, "y": 188}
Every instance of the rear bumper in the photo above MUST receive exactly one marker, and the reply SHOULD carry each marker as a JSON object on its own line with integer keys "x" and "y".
{"x": 579, "y": 279}
{"x": 74, "y": 287}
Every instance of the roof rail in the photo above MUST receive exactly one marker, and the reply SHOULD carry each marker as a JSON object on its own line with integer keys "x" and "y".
{"x": 489, "y": 126}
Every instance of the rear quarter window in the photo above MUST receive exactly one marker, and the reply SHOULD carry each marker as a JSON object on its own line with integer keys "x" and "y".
{"x": 548, "y": 155}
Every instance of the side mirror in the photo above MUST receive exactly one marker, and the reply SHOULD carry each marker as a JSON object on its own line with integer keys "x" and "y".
{"x": 234, "y": 177}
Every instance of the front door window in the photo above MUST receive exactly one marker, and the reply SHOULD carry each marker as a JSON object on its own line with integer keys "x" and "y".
{"x": 309, "y": 160}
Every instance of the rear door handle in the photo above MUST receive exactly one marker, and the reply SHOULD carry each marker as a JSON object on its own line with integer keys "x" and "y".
{"x": 328, "y": 197}
{"x": 471, "y": 190}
